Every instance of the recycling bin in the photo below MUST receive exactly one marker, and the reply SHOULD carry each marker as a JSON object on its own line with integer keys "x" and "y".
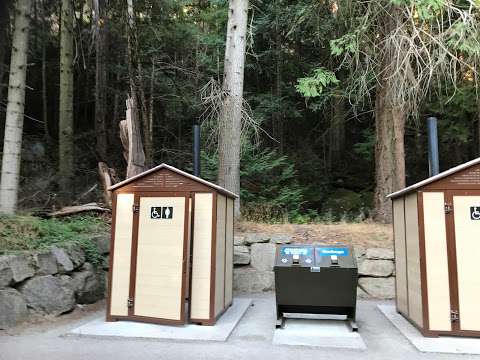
{"x": 314, "y": 279}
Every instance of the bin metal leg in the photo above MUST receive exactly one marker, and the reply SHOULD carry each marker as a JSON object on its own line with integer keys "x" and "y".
{"x": 280, "y": 324}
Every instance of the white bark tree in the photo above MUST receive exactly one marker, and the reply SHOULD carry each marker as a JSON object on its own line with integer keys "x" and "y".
{"x": 230, "y": 122}
{"x": 12, "y": 144}
{"x": 66, "y": 101}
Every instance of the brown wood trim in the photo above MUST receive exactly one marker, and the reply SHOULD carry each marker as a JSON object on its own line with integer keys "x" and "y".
{"x": 213, "y": 259}
{"x": 210, "y": 322}
{"x": 406, "y": 248}
{"x": 110, "y": 255}
{"x": 133, "y": 260}
{"x": 147, "y": 319}
{"x": 190, "y": 260}
{"x": 423, "y": 264}
{"x": 225, "y": 253}
{"x": 185, "y": 255}
{"x": 452, "y": 260}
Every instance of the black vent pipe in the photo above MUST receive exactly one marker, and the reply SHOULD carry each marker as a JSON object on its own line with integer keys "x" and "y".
{"x": 433, "y": 158}
{"x": 196, "y": 149}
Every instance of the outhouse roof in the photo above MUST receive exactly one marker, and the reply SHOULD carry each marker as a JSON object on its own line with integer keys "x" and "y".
{"x": 432, "y": 179}
{"x": 178, "y": 171}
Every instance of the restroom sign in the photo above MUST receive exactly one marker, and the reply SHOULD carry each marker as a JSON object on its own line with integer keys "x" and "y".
{"x": 161, "y": 212}
{"x": 475, "y": 212}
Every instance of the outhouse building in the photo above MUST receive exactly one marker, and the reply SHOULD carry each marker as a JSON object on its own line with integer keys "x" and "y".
{"x": 437, "y": 252}
{"x": 171, "y": 258}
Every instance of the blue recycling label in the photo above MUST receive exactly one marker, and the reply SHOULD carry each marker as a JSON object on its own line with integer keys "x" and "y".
{"x": 332, "y": 251}
{"x": 286, "y": 251}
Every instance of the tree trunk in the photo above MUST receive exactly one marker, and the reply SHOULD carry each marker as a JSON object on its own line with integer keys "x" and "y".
{"x": 389, "y": 151}
{"x": 132, "y": 141}
{"x": 4, "y": 26}
{"x": 46, "y": 132}
{"x": 66, "y": 102}
{"x": 101, "y": 49}
{"x": 230, "y": 122}
{"x": 12, "y": 144}
{"x": 337, "y": 132}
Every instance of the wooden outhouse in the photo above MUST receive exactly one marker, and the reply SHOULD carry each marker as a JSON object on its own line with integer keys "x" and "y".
{"x": 171, "y": 259}
{"x": 437, "y": 252}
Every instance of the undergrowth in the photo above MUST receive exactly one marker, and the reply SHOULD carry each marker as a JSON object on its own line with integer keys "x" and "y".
{"x": 19, "y": 233}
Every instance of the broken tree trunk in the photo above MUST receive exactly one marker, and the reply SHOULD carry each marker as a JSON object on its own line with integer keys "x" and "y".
{"x": 108, "y": 177}
{"x": 132, "y": 141}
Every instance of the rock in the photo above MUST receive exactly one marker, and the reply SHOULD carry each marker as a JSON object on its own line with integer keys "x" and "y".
{"x": 380, "y": 254}
{"x": 64, "y": 263}
{"x": 13, "y": 308}
{"x": 6, "y": 275}
{"x": 48, "y": 294}
{"x": 361, "y": 294}
{"x": 360, "y": 255}
{"x": 76, "y": 254}
{"x": 103, "y": 243}
{"x": 89, "y": 286}
{"x": 281, "y": 238}
{"x": 241, "y": 255}
{"x": 22, "y": 267}
{"x": 248, "y": 280}
{"x": 262, "y": 256}
{"x": 105, "y": 263}
{"x": 238, "y": 240}
{"x": 376, "y": 268}
{"x": 380, "y": 288}
{"x": 46, "y": 263}
{"x": 253, "y": 238}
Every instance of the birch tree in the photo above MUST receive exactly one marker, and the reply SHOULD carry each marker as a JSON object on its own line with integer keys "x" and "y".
{"x": 230, "y": 122}
{"x": 12, "y": 144}
{"x": 66, "y": 100}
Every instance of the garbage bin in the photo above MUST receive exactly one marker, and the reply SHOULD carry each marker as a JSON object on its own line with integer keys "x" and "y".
{"x": 314, "y": 279}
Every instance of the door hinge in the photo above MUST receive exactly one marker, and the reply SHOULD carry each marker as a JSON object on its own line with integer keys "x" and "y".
{"x": 454, "y": 315}
{"x": 130, "y": 302}
{"x": 448, "y": 208}
{"x": 135, "y": 208}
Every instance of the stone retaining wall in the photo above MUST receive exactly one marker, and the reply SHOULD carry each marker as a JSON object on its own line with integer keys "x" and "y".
{"x": 254, "y": 257}
{"x": 50, "y": 282}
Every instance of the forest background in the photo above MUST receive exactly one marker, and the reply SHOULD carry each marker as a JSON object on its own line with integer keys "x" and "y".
{"x": 336, "y": 96}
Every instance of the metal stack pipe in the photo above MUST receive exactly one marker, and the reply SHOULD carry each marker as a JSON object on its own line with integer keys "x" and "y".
{"x": 433, "y": 157}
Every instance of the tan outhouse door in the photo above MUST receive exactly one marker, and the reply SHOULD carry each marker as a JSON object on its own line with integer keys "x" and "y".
{"x": 160, "y": 257}
{"x": 466, "y": 207}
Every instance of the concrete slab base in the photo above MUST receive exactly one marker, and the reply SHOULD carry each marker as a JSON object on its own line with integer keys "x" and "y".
{"x": 326, "y": 333}
{"x": 442, "y": 344}
{"x": 128, "y": 329}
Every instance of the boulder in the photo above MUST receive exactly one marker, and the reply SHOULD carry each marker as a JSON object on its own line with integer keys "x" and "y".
{"x": 253, "y": 238}
{"x": 102, "y": 242}
{"x": 360, "y": 255}
{"x": 22, "y": 267}
{"x": 262, "y": 256}
{"x": 45, "y": 262}
{"x": 376, "y": 268}
{"x": 89, "y": 286}
{"x": 48, "y": 294}
{"x": 105, "y": 263}
{"x": 76, "y": 254}
{"x": 13, "y": 308}
{"x": 361, "y": 294}
{"x": 6, "y": 275}
{"x": 248, "y": 280}
{"x": 241, "y": 255}
{"x": 238, "y": 240}
{"x": 281, "y": 238}
{"x": 380, "y": 254}
{"x": 65, "y": 265}
{"x": 380, "y": 288}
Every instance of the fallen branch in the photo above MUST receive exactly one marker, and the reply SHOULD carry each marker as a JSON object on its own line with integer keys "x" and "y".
{"x": 76, "y": 209}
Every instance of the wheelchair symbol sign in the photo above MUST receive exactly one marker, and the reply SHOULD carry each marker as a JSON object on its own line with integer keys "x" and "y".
{"x": 161, "y": 212}
{"x": 475, "y": 213}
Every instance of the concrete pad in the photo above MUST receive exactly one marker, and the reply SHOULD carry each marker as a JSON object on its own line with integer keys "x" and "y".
{"x": 325, "y": 333}
{"x": 129, "y": 329}
{"x": 442, "y": 344}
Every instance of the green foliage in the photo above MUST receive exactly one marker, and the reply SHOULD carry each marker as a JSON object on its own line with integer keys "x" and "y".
{"x": 425, "y": 9}
{"x": 31, "y": 233}
{"x": 464, "y": 39}
{"x": 346, "y": 44}
{"x": 313, "y": 86}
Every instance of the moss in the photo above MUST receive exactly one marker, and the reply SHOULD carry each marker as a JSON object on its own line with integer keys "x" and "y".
{"x": 18, "y": 233}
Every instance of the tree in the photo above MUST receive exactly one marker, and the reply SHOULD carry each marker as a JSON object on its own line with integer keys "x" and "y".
{"x": 401, "y": 49}
{"x": 4, "y": 27}
{"x": 12, "y": 144}
{"x": 66, "y": 130}
{"x": 230, "y": 122}
{"x": 101, "y": 50}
